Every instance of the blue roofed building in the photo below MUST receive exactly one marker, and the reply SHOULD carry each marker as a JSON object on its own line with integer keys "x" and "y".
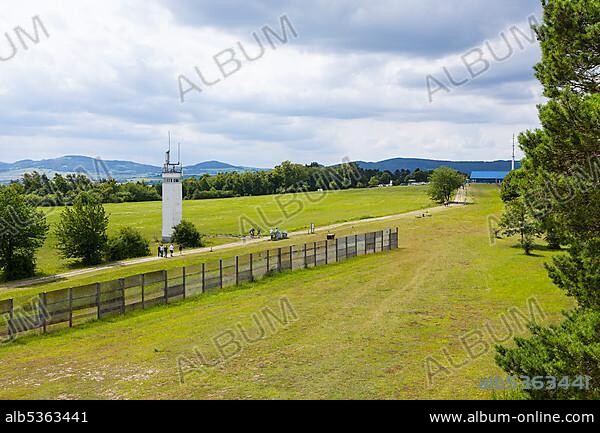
{"x": 488, "y": 176}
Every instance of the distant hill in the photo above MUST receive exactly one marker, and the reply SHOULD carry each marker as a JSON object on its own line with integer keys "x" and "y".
{"x": 97, "y": 168}
{"x": 214, "y": 167}
{"x": 128, "y": 170}
{"x": 429, "y": 164}
{"x": 93, "y": 167}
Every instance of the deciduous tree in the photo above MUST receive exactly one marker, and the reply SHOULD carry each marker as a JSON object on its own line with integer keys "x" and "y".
{"x": 82, "y": 231}
{"x": 23, "y": 230}
{"x": 444, "y": 183}
{"x": 517, "y": 220}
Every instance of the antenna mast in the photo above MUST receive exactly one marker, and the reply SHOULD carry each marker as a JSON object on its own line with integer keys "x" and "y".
{"x": 513, "y": 153}
{"x": 168, "y": 154}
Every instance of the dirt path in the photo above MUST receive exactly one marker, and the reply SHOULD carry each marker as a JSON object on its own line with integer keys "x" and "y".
{"x": 461, "y": 199}
{"x": 462, "y": 196}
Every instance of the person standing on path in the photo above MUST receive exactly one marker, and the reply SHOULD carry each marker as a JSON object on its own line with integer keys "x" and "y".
{"x": 172, "y": 249}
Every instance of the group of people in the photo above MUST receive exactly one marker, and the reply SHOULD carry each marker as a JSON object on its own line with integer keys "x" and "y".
{"x": 164, "y": 251}
{"x": 278, "y": 235}
{"x": 255, "y": 233}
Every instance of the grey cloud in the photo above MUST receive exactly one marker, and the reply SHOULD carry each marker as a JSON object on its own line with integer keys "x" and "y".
{"x": 426, "y": 28}
{"x": 127, "y": 116}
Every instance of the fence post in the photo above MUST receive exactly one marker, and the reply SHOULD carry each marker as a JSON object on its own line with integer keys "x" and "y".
{"x": 327, "y": 251}
{"x": 122, "y": 289}
{"x": 44, "y": 305}
{"x": 98, "y": 300}
{"x": 203, "y": 277}
{"x": 143, "y": 278}
{"x": 11, "y": 316}
{"x": 337, "y": 250}
{"x": 251, "y": 267}
{"x": 389, "y": 239}
{"x": 291, "y": 257}
{"x": 315, "y": 251}
{"x": 268, "y": 261}
{"x": 184, "y": 281}
{"x": 166, "y": 286}
{"x": 221, "y": 273}
{"x": 366, "y": 243}
{"x": 70, "y": 307}
{"x": 237, "y": 270}
{"x": 279, "y": 260}
{"x": 305, "y": 258}
{"x": 397, "y": 237}
{"x": 346, "y": 247}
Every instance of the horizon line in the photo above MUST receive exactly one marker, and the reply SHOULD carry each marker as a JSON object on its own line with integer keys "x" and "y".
{"x": 99, "y": 158}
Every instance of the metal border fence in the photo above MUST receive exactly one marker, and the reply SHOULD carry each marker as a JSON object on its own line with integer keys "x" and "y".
{"x": 74, "y": 306}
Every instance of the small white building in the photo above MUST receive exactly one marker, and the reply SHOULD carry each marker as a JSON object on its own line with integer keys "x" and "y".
{"x": 172, "y": 197}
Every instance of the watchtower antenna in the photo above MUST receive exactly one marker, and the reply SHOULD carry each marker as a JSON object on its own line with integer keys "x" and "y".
{"x": 513, "y": 153}
{"x": 168, "y": 154}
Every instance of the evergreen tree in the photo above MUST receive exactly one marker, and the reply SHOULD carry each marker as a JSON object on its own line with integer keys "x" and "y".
{"x": 564, "y": 173}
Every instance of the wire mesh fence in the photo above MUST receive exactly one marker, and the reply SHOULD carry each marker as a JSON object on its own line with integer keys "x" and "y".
{"x": 74, "y": 306}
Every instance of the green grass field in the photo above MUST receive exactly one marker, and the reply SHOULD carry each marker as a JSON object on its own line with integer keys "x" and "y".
{"x": 364, "y": 330}
{"x": 219, "y": 220}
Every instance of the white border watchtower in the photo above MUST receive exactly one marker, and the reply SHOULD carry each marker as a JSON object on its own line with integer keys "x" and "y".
{"x": 172, "y": 196}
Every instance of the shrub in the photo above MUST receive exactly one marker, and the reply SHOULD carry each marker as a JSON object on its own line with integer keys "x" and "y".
{"x": 127, "y": 245}
{"x": 213, "y": 194}
{"x": 22, "y": 265}
{"x": 187, "y": 235}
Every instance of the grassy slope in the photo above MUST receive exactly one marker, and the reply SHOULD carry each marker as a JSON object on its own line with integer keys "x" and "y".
{"x": 364, "y": 330}
{"x": 219, "y": 219}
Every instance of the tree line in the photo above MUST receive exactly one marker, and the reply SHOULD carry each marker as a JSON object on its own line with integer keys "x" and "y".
{"x": 41, "y": 190}
{"x": 60, "y": 190}
{"x": 289, "y": 177}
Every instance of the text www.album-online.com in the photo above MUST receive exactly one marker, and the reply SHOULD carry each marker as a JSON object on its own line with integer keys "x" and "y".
{"x": 536, "y": 417}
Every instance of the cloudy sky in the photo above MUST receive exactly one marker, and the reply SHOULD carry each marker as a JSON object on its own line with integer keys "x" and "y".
{"x": 352, "y": 84}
